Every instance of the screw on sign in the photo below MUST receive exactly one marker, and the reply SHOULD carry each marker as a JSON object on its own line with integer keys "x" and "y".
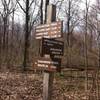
{"x": 50, "y": 30}
{"x": 54, "y": 48}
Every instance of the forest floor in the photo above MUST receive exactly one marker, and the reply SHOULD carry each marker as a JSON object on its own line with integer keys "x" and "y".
{"x": 25, "y": 86}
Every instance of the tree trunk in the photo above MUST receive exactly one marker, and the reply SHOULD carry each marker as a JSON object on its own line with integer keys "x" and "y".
{"x": 41, "y": 8}
{"x": 46, "y": 4}
{"x": 26, "y": 45}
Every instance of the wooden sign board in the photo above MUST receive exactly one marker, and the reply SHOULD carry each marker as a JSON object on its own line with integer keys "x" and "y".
{"x": 50, "y": 30}
{"x": 47, "y": 64}
{"x": 54, "y": 48}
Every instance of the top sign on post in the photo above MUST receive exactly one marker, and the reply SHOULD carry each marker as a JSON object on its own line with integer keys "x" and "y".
{"x": 51, "y": 30}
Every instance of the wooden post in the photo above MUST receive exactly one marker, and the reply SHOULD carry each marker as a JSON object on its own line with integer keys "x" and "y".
{"x": 47, "y": 85}
{"x": 49, "y": 76}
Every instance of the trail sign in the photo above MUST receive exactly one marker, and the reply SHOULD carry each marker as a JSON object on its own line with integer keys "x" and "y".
{"x": 49, "y": 30}
{"x": 47, "y": 64}
{"x": 54, "y": 48}
{"x": 50, "y": 50}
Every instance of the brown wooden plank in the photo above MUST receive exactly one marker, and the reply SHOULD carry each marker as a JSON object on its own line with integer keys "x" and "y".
{"x": 51, "y": 30}
{"x": 54, "y": 48}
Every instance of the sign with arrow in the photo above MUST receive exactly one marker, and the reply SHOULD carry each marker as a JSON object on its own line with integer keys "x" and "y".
{"x": 50, "y": 30}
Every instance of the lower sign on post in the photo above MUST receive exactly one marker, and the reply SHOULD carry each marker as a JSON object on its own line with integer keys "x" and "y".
{"x": 47, "y": 64}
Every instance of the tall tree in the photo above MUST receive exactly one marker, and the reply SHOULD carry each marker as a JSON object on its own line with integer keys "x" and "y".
{"x": 5, "y": 12}
{"x": 46, "y": 4}
{"x": 7, "y": 9}
{"x": 26, "y": 45}
{"x": 98, "y": 40}
{"x": 87, "y": 4}
{"x": 70, "y": 9}
{"x": 28, "y": 25}
{"x": 41, "y": 12}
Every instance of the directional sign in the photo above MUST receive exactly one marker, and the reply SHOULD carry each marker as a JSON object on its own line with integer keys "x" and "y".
{"x": 54, "y": 48}
{"x": 47, "y": 64}
{"x": 52, "y": 30}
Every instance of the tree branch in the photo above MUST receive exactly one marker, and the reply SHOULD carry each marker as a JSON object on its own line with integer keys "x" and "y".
{"x": 21, "y": 6}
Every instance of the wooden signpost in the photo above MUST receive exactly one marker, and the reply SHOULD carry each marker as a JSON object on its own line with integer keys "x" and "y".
{"x": 51, "y": 50}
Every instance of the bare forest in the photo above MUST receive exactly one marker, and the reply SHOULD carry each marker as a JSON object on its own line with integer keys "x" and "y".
{"x": 79, "y": 78}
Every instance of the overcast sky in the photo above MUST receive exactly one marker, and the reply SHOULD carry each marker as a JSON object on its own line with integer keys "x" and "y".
{"x": 82, "y": 5}
{"x": 19, "y": 17}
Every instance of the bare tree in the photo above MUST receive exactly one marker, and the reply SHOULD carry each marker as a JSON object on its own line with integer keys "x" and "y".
{"x": 71, "y": 20}
{"x": 41, "y": 9}
{"x": 28, "y": 25}
{"x": 98, "y": 40}
{"x": 5, "y": 12}
{"x": 87, "y": 5}
{"x": 7, "y": 9}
